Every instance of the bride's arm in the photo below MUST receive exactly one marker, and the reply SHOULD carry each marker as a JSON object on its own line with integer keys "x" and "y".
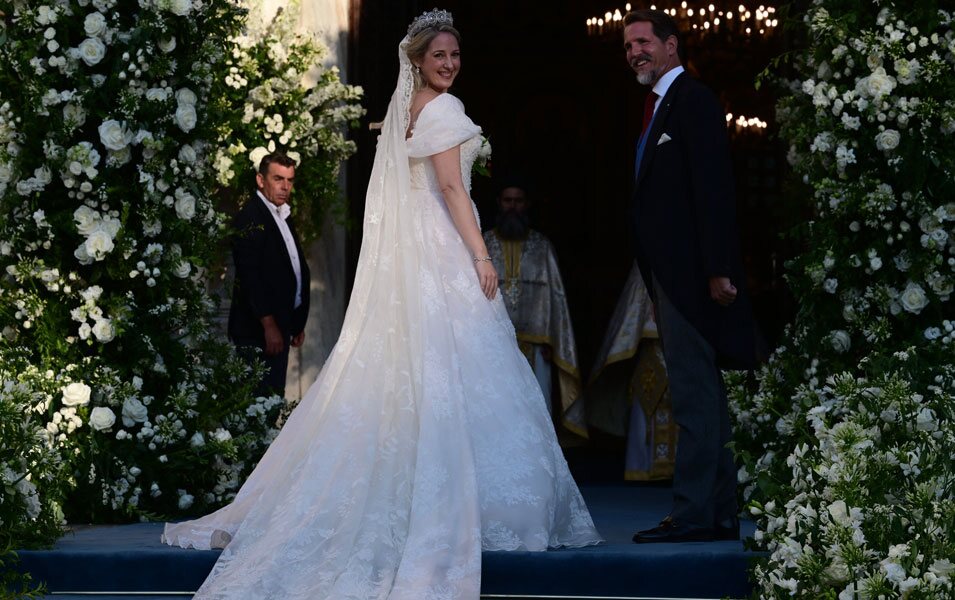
{"x": 447, "y": 167}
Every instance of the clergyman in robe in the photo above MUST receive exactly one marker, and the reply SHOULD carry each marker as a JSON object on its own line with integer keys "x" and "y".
{"x": 533, "y": 292}
{"x": 628, "y": 391}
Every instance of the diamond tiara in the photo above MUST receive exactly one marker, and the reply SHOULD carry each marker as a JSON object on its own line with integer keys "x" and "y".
{"x": 431, "y": 18}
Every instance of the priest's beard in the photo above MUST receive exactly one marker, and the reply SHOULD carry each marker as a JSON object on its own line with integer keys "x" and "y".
{"x": 512, "y": 225}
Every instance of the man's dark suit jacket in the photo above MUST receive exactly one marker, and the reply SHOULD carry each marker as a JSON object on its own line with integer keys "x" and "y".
{"x": 264, "y": 279}
{"x": 684, "y": 217}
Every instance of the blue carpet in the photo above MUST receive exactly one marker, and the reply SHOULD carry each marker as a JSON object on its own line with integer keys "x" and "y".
{"x": 130, "y": 558}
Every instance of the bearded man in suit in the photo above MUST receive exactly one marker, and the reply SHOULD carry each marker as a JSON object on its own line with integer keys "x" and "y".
{"x": 687, "y": 246}
{"x": 270, "y": 298}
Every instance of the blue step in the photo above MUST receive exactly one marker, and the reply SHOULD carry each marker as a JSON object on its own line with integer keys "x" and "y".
{"x": 131, "y": 559}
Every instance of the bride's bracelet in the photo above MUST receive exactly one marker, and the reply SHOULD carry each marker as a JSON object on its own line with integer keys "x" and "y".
{"x": 485, "y": 259}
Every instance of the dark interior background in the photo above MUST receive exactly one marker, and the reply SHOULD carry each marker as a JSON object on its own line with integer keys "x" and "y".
{"x": 562, "y": 107}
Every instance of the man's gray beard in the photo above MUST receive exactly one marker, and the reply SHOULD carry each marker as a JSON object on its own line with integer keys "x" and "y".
{"x": 512, "y": 225}
{"x": 647, "y": 78}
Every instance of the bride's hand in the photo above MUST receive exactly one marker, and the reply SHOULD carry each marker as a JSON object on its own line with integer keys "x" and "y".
{"x": 487, "y": 277}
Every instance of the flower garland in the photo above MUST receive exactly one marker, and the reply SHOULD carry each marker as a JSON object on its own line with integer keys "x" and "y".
{"x": 847, "y": 441}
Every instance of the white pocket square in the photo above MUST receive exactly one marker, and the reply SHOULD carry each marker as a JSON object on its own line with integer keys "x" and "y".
{"x": 663, "y": 139}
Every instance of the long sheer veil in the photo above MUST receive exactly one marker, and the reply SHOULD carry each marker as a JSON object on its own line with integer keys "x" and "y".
{"x": 383, "y": 311}
{"x": 391, "y": 255}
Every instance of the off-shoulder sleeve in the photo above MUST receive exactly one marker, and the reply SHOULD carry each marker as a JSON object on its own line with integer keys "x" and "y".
{"x": 441, "y": 125}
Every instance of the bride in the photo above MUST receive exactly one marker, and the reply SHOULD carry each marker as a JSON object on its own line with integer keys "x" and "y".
{"x": 425, "y": 438}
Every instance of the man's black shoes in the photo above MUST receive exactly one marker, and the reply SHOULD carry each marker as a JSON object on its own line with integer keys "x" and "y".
{"x": 672, "y": 532}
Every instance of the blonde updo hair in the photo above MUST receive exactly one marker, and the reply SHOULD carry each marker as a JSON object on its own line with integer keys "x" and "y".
{"x": 418, "y": 46}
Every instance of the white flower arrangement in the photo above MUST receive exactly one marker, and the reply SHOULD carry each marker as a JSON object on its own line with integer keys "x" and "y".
{"x": 110, "y": 364}
{"x": 846, "y": 438}
{"x": 290, "y": 102}
{"x": 482, "y": 164}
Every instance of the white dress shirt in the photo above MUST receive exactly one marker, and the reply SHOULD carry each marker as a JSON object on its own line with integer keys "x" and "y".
{"x": 280, "y": 213}
{"x": 663, "y": 84}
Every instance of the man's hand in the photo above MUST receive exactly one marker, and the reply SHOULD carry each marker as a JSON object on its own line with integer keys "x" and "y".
{"x": 722, "y": 291}
{"x": 274, "y": 344}
{"x": 297, "y": 340}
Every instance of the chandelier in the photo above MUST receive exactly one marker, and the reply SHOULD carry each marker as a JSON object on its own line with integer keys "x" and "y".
{"x": 702, "y": 18}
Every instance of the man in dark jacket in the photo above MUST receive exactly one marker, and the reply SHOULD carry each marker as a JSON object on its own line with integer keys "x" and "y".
{"x": 271, "y": 295}
{"x": 687, "y": 246}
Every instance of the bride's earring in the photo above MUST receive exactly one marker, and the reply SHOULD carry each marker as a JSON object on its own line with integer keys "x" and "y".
{"x": 417, "y": 69}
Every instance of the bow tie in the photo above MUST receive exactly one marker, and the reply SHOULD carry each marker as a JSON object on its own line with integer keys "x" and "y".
{"x": 283, "y": 211}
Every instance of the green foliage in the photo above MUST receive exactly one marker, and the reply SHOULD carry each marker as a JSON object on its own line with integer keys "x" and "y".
{"x": 846, "y": 436}
{"x": 120, "y": 398}
{"x": 15, "y": 585}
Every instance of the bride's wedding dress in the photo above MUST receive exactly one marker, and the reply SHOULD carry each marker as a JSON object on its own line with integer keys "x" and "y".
{"x": 425, "y": 437}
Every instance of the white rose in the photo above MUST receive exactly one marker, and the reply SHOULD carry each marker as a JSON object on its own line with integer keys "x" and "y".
{"x": 222, "y": 435}
{"x": 180, "y": 7}
{"x": 197, "y": 440}
{"x": 186, "y": 96}
{"x": 185, "y": 206}
{"x": 102, "y": 418}
{"x": 114, "y": 135}
{"x": 92, "y": 51}
{"x": 86, "y": 219}
{"x": 294, "y": 156}
{"x": 6, "y": 172}
{"x": 76, "y": 394}
{"x": 98, "y": 244}
{"x": 95, "y": 24}
{"x": 82, "y": 256}
{"x": 187, "y": 154}
{"x": 257, "y": 155}
{"x": 878, "y": 84}
{"x": 167, "y": 45}
{"x": 186, "y": 117}
{"x": 103, "y": 330}
{"x": 183, "y": 269}
{"x": 887, "y": 140}
{"x": 840, "y": 341}
{"x": 913, "y": 298}
{"x": 134, "y": 412}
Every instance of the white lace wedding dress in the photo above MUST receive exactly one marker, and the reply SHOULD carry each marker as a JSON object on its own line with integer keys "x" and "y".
{"x": 425, "y": 437}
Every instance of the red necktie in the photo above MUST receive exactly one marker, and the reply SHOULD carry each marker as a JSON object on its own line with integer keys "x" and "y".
{"x": 648, "y": 106}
